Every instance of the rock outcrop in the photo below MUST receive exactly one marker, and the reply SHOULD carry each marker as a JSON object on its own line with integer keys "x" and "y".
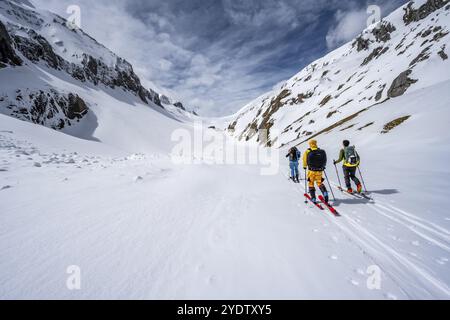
{"x": 442, "y": 53}
{"x": 361, "y": 44}
{"x": 383, "y": 32}
{"x": 7, "y": 54}
{"x": 414, "y": 15}
{"x": 36, "y": 48}
{"x": 373, "y": 55}
{"x": 27, "y": 39}
{"x": 401, "y": 84}
{"x": 179, "y": 105}
{"x": 76, "y": 107}
{"x": 51, "y": 109}
{"x": 34, "y": 37}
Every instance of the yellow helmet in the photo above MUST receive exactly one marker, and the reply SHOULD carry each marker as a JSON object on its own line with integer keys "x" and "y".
{"x": 313, "y": 144}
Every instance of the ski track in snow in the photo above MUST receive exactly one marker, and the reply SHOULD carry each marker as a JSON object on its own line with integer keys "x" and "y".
{"x": 385, "y": 255}
{"x": 353, "y": 237}
{"x": 410, "y": 272}
{"x": 218, "y": 222}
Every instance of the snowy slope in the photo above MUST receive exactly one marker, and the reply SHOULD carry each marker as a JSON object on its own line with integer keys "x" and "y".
{"x": 140, "y": 227}
{"x": 50, "y": 72}
{"x": 114, "y": 118}
{"x": 394, "y": 57}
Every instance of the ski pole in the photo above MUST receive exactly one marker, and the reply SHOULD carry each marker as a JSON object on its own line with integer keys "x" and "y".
{"x": 339, "y": 178}
{"x": 362, "y": 179}
{"x": 306, "y": 183}
{"x": 329, "y": 184}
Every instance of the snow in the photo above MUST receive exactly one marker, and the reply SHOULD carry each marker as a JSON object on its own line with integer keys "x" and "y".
{"x": 107, "y": 197}
{"x": 52, "y": 27}
{"x": 351, "y": 85}
{"x": 155, "y": 239}
{"x": 141, "y": 227}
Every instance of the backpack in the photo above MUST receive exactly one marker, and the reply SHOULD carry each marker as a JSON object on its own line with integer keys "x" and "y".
{"x": 293, "y": 154}
{"x": 351, "y": 156}
{"x": 317, "y": 160}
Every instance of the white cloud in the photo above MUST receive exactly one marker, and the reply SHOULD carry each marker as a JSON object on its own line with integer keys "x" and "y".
{"x": 175, "y": 62}
{"x": 165, "y": 65}
{"x": 202, "y": 103}
{"x": 348, "y": 26}
{"x": 214, "y": 57}
{"x": 257, "y": 13}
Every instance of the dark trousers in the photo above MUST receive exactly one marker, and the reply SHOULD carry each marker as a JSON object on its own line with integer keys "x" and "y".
{"x": 350, "y": 174}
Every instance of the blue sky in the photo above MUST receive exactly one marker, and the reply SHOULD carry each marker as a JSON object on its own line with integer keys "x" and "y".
{"x": 218, "y": 55}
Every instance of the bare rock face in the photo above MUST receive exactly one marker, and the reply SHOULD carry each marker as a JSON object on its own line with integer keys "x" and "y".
{"x": 232, "y": 126}
{"x": 36, "y": 48}
{"x": 442, "y": 53}
{"x": 379, "y": 94}
{"x": 414, "y": 15}
{"x": 361, "y": 44}
{"x": 383, "y": 32}
{"x": 150, "y": 95}
{"x": 179, "y": 105}
{"x": 164, "y": 99}
{"x": 48, "y": 108}
{"x": 401, "y": 84}
{"x": 374, "y": 54}
{"x": 424, "y": 55}
{"x": 7, "y": 54}
{"x": 76, "y": 107}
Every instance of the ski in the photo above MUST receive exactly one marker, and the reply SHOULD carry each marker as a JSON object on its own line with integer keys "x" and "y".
{"x": 307, "y": 196}
{"x": 330, "y": 207}
{"x": 366, "y": 196}
{"x": 356, "y": 195}
{"x": 294, "y": 181}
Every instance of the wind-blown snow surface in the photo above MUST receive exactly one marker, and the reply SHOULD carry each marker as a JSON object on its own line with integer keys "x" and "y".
{"x": 140, "y": 227}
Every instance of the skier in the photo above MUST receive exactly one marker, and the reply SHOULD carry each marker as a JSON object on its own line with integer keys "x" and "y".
{"x": 351, "y": 163}
{"x": 294, "y": 155}
{"x": 315, "y": 160}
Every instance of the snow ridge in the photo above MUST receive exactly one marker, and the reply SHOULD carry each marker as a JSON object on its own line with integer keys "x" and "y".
{"x": 41, "y": 42}
{"x": 403, "y": 53}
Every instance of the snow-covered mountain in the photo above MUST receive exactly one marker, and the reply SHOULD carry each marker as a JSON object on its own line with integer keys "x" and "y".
{"x": 137, "y": 225}
{"x": 405, "y": 53}
{"x": 47, "y": 67}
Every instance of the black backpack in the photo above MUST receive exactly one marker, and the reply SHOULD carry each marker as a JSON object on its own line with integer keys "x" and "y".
{"x": 317, "y": 160}
{"x": 293, "y": 154}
